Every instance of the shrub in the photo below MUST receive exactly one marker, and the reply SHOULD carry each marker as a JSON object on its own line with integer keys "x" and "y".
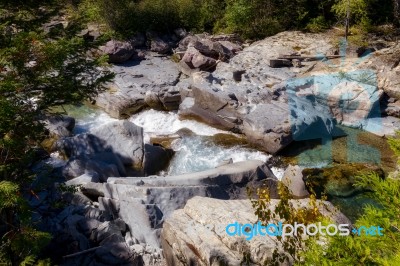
{"x": 317, "y": 24}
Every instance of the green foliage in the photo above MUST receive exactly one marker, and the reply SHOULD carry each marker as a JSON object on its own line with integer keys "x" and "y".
{"x": 356, "y": 8}
{"x": 250, "y": 18}
{"x": 366, "y": 250}
{"x": 338, "y": 250}
{"x": 8, "y": 195}
{"x": 39, "y": 69}
{"x": 287, "y": 212}
{"x": 395, "y": 144}
{"x": 317, "y": 24}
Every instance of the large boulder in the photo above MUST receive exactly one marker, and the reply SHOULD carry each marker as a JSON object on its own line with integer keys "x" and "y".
{"x": 98, "y": 171}
{"x": 195, "y": 235}
{"x": 385, "y": 63}
{"x": 127, "y": 93}
{"x": 125, "y": 139}
{"x": 107, "y": 151}
{"x": 194, "y": 61}
{"x": 202, "y": 53}
{"x": 145, "y": 202}
{"x": 156, "y": 158}
{"x": 270, "y": 119}
{"x": 160, "y": 46}
{"x": 117, "y": 51}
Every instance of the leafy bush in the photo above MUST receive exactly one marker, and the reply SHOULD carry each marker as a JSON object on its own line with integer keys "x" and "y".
{"x": 250, "y": 18}
{"x": 317, "y": 24}
{"x": 38, "y": 70}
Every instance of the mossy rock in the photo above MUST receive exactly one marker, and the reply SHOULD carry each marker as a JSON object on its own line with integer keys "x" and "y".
{"x": 49, "y": 143}
{"x": 338, "y": 180}
{"x": 229, "y": 140}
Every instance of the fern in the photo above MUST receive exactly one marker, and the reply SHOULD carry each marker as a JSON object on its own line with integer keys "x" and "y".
{"x": 28, "y": 261}
{"x": 9, "y": 194}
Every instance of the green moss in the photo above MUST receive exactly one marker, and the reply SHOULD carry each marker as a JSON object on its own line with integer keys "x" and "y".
{"x": 337, "y": 180}
{"x": 229, "y": 140}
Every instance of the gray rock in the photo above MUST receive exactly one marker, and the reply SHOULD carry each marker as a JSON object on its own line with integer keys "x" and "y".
{"x": 82, "y": 145}
{"x": 268, "y": 126}
{"x": 116, "y": 254}
{"x": 138, "y": 40}
{"x": 125, "y": 139}
{"x": 93, "y": 189}
{"x": 350, "y": 99}
{"x": 117, "y": 51}
{"x": 293, "y": 179}
{"x": 158, "y": 45}
{"x": 184, "y": 43}
{"x": 79, "y": 198}
{"x": 105, "y": 230}
{"x": 269, "y": 120}
{"x": 127, "y": 93}
{"x": 55, "y": 26}
{"x": 91, "y": 33}
{"x": 121, "y": 105}
{"x": 110, "y": 158}
{"x": 385, "y": 63}
{"x": 144, "y": 202}
{"x": 233, "y": 48}
{"x": 393, "y": 109}
{"x": 208, "y": 48}
{"x": 83, "y": 179}
{"x": 152, "y": 100}
{"x": 180, "y": 33}
{"x": 84, "y": 169}
{"x": 194, "y": 61}
{"x": 170, "y": 98}
{"x": 156, "y": 158}
{"x": 196, "y": 234}
{"x": 60, "y": 126}
{"x": 87, "y": 226}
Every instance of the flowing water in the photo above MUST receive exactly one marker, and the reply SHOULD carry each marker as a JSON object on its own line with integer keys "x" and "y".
{"x": 193, "y": 152}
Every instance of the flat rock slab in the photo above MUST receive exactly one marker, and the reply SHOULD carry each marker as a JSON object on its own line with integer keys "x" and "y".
{"x": 126, "y": 94}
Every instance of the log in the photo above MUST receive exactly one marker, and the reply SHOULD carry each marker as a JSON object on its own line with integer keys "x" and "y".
{"x": 309, "y": 58}
{"x": 276, "y": 63}
{"x": 81, "y": 252}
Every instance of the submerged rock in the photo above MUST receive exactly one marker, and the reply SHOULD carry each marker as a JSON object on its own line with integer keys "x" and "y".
{"x": 338, "y": 180}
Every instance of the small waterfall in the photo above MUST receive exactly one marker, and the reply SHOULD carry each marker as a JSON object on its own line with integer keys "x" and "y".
{"x": 197, "y": 153}
{"x": 194, "y": 152}
{"x": 160, "y": 122}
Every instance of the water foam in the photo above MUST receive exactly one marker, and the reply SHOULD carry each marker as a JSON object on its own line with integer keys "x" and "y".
{"x": 161, "y": 123}
{"x": 197, "y": 153}
{"x": 91, "y": 121}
